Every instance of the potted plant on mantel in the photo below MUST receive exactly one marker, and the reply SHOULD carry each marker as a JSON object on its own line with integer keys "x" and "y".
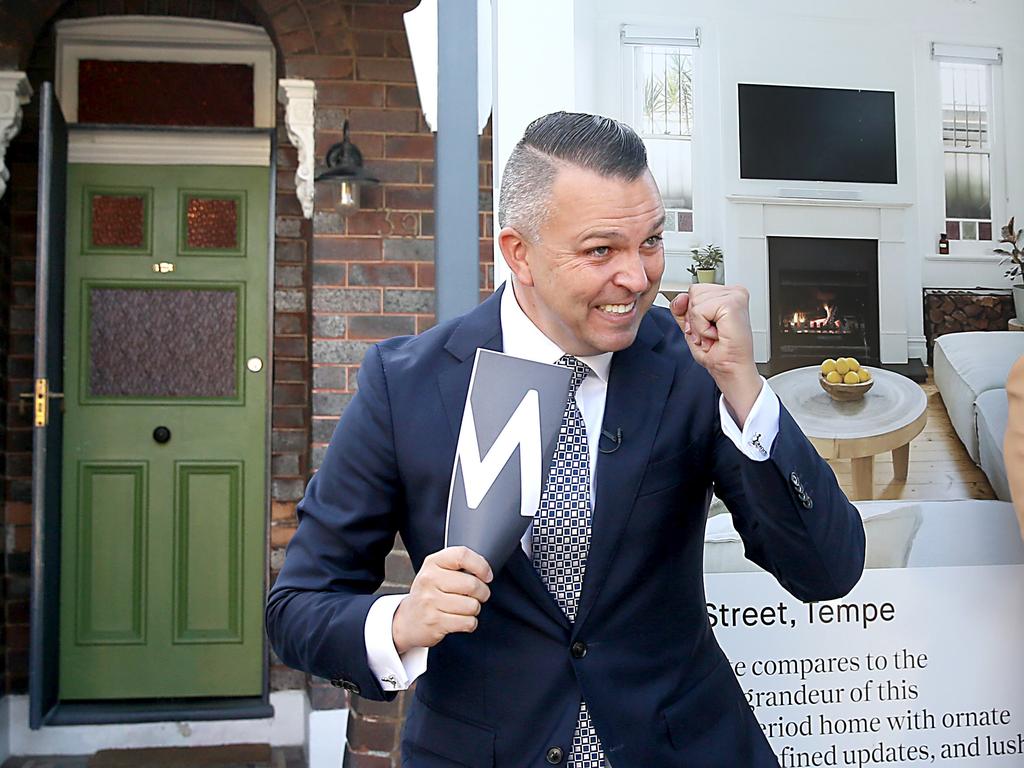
{"x": 705, "y": 263}
{"x": 1014, "y": 238}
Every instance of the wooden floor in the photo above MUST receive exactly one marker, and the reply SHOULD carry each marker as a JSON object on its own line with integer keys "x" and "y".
{"x": 940, "y": 467}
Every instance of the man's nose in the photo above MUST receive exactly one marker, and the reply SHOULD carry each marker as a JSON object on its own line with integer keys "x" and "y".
{"x": 632, "y": 275}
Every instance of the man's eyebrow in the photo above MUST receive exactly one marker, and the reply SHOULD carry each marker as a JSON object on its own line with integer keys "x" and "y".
{"x": 602, "y": 234}
{"x": 611, "y": 234}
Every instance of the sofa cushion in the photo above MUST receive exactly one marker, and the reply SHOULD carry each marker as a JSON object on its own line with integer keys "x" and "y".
{"x": 993, "y": 412}
{"x": 967, "y": 364}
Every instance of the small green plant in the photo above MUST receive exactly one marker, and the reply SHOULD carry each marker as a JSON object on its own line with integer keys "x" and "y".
{"x": 708, "y": 257}
{"x": 1014, "y": 238}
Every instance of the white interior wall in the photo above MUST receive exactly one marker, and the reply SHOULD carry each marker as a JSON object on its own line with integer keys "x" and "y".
{"x": 872, "y": 44}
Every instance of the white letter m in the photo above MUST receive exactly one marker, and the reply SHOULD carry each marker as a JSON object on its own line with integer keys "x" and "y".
{"x": 479, "y": 472}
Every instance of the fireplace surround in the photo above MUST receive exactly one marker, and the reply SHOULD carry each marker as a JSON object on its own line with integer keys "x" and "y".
{"x": 756, "y": 219}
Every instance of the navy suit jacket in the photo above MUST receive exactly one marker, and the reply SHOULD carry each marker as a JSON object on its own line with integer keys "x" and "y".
{"x": 659, "y": 689}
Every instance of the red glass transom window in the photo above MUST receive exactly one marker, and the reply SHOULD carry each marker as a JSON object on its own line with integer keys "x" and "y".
{"x": 165, "y": 93}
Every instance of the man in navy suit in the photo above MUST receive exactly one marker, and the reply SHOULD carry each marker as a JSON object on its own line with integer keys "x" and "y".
{"x": 521, "y": 668}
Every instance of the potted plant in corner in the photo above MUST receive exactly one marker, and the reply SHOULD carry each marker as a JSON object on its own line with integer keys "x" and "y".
{"x": 1014, "y": 238}
{"x": 705, "y": 263}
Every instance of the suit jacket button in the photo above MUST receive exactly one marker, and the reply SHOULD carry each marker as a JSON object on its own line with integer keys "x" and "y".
{"x": 808, "y": 503}
{"x": 554, "y": 756}
{"x": 794, "y": 478}
{"x": 350, "y": 687}
{"x": 578, "y": 649}
{"x": 337, "y": 683}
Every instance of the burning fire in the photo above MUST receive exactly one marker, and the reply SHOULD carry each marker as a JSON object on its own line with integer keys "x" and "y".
{"x": 830, "y": 322}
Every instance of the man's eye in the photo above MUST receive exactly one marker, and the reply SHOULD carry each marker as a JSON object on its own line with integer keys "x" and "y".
{"x": 601, "y": 250}
{"x": 653, "y": 241}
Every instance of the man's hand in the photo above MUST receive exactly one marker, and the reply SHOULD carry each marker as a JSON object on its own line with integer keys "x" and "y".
{"x": 716, "y": 323}
{"x": 446, "y": 596}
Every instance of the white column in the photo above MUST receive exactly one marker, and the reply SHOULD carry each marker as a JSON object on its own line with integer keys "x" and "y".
{"x": 299, "y": 100}
{"x": 534, "y": 74}
{"x": 15, "y": 92}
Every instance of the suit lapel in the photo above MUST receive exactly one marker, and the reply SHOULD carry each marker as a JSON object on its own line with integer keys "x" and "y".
{"x": 638, "y": 386}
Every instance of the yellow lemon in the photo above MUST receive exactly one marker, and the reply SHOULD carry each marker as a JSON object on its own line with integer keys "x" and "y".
{"x": 851, "y": 377}
{"x": 852, "y": 362}
{"x": 828, "y": 366}
{"x": 842, "y": 366}
{"x": 864, "y": 375}
{"x": 833, "y": 377}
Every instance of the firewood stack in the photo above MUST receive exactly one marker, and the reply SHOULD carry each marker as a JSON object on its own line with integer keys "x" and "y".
{"x": 956, "y": 311}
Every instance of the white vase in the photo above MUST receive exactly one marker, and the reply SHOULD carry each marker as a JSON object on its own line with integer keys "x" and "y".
{"x": 1018, "y": 301}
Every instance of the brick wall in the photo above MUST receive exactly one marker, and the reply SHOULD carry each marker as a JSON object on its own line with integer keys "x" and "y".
{"x": 17, "y": 485}
{"x": 372, "y": 273}
{"x": 5, "y": 281}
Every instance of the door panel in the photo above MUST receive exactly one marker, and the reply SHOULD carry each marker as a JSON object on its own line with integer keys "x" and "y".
{"x": 165, "y": 430}
{"x": 111, "y": 552}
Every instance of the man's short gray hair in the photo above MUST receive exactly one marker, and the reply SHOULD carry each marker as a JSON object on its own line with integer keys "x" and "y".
{"x": 599, "y": 144}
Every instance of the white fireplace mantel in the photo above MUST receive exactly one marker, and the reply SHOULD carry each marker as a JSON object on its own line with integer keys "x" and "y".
{"x": 755, "y": 219}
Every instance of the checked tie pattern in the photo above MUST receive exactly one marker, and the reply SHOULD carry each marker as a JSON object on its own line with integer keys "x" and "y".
{"x": 561, "y": 538}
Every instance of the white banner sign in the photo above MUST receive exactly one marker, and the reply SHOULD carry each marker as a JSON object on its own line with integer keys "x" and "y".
{"x": 915, "y": 666}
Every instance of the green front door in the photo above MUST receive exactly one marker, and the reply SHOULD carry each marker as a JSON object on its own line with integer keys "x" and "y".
{"x": 163, "y": 522}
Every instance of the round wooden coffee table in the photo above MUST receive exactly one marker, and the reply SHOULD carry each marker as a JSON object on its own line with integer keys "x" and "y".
{"x": 887, "y": 418}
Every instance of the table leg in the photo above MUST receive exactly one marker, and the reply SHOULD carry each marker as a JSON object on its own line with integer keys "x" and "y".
{"x": 863, "y": 477}
{"x": 901, "y": 462}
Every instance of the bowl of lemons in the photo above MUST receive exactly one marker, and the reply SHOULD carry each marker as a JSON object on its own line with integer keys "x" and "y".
{"x": 845, "y": 379}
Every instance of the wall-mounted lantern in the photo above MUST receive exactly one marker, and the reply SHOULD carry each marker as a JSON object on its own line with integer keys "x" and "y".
{"x": 344, "y": 171}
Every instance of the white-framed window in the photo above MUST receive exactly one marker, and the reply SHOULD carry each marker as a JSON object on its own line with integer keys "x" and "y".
{"x": 972, "y": 157}
{"x": 659, "y": 102}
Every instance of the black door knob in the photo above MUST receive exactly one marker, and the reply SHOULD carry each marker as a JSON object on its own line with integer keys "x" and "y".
{"x": 161, "y": 434}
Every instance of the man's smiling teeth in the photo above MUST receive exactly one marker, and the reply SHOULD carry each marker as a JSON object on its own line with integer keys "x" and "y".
{"x": 617, "y": 309}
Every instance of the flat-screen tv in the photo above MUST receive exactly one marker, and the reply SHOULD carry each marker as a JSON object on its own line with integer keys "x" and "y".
{"x": 794, "y": 133}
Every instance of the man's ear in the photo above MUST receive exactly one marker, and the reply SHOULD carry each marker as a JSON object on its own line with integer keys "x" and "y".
{"x": 514, "y": 248}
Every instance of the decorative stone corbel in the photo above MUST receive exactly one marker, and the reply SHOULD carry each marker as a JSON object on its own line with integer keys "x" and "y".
{"x": 15, "y": 92}
{"x": 299, "y": 98}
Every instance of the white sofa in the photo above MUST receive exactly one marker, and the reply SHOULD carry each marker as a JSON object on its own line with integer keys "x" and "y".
{"x": 970, "y": 373}
{"x": 903, "y": 534}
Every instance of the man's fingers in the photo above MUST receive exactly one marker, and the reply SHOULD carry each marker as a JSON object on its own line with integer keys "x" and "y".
{"x": 458, "y": 605}
{"x": 459, "y": 583}
{"x": 679, "y": 304}
{"x": 451, "y": 622}
{"x": 464, "y": 559}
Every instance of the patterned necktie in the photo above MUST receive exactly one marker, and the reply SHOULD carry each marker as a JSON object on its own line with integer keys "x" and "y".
{"x": 561, "y": 538}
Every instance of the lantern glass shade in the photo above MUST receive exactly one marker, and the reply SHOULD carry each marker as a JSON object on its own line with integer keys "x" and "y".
{"x": 348, "y": 197}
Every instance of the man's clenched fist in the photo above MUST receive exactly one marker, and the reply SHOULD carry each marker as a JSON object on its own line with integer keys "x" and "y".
{"x": 446, "y": 596}
{"x": 716, "y": 323}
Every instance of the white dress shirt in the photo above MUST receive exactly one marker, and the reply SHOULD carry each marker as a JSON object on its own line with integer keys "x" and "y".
{"x": 521, "y": 338}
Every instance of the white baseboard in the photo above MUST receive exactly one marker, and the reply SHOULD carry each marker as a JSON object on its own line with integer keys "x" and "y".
{"x": 287, "y": 728}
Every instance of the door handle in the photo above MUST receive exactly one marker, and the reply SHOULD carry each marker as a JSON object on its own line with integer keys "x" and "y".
{"x": 42, "y": 397}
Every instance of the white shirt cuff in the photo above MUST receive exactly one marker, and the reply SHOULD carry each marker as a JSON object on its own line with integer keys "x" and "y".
{"x": 761, "y": 427}
{"x": 395, "y": 673}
